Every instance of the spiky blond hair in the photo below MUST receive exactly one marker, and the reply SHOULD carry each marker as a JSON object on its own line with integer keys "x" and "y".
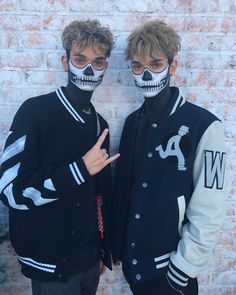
{"x": 154, "y": 37}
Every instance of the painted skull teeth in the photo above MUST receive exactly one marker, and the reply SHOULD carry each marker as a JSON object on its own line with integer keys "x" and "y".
{"x": 83, "y": 81}
{"x": 87, "y": 80}
{"x": 153, "y": 86}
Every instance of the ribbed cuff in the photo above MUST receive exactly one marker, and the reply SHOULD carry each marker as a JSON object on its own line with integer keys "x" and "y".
{"x": 177, "y": 279}
{"x": 79, "y": 171}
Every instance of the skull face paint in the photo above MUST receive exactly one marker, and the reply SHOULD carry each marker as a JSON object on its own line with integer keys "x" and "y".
{"x": 150, "y": 83}
{"x": 87, "y": 78}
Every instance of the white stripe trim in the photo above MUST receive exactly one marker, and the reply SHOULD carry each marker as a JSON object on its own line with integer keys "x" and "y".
{"x": 68, "y": 106}
{"x": 98, "y": 125}
{"x": 42, "y": 266}
{"x": 9, "y": 175}
{"x": 65, "y": 105}
{"x": 162, "y": 257}
{"x": 8, "y": 192}
{"x": 175, "y": 105}
{"x": 14, "y": 149}
{"x": 48, "y": 184}
{"x": 183, "y": 101}
{"x": 161, "y": 265}
{"x": 177, "y": 274}
{"x": 74, "y": 174}
{"x": 38, "y": 263}
{"x": 36, "y": 197}
{"x": 78, "y": 172}
{"x": 176, "y": 281}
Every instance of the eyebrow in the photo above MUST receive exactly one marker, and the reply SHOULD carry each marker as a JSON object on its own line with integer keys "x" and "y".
{"x": 100, "y": 57}
{"x": 157, "y": 59}
{"x": 152, "y": 60}
{"x": 81, "y": 55}
{"x": 135, "y": 62}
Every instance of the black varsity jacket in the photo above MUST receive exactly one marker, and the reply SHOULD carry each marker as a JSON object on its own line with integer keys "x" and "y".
{"x": 167, "y": 222}
{"x": 50, "y": 194}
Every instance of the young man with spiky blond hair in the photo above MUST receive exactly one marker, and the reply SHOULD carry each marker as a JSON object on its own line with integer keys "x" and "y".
{"x": 169, "y": 186}
{"x": 55, "y": 175}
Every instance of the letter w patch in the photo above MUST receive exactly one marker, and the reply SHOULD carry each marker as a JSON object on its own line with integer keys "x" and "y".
{"x": 214, "y": 169}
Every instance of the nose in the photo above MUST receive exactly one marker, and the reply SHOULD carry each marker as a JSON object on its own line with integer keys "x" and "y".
{"x": 147, "y": 76}
{"x": 89, "y": 71}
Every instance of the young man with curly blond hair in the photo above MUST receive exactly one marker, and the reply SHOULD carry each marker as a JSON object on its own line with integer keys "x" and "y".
{"x": 169, "y": 186}
{"x": 55, "y": 175}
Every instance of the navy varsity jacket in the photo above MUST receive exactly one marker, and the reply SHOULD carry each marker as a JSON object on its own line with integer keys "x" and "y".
{"x": 50, "y": 194}
{"x": 167, "y": 222}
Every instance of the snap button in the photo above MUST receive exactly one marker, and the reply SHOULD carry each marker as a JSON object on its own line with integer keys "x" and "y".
{"x": 133, "y": 245}
{"x": 144, "y": 184}
{"x": 134, "y": 261}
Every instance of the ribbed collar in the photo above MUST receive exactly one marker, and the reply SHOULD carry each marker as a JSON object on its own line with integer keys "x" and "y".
{"x": 175, "y": 102}
{"x": 77, "y": 115}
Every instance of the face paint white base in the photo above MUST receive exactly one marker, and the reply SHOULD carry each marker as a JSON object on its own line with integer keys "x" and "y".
{"x": 155, "y": 85}
{"x": 82, "y": 81}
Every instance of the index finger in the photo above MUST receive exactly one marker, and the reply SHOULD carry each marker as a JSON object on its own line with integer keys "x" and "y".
{"x": 101, "y": 138}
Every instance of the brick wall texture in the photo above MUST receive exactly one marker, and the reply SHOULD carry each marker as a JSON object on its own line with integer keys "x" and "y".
{"x": 30, "y": 50}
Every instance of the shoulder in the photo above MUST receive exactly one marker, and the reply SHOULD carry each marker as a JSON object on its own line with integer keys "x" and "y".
{"x": 198, "y": 114}
{"x": 41, "y": 101}
{"x": 33, "y": 109}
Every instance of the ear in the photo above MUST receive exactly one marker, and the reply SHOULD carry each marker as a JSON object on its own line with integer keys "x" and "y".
{"x": 64, "y": 62}
{"x": 173, "y": 67}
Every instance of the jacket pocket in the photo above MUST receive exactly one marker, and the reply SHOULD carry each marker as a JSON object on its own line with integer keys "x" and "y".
{"x": 182, "y": 208}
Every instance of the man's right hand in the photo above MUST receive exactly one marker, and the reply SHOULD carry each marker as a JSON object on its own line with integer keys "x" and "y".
{"x": 97, "y": 158}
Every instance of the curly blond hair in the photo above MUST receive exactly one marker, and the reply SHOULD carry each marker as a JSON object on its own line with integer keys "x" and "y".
{"x": 154, "y": 37}
{"x": 86, "y": 33}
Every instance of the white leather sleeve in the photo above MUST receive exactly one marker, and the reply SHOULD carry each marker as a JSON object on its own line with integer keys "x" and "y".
{"x": 206, "y": 209}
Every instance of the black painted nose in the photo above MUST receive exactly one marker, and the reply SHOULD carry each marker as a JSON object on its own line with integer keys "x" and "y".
{"x": 89, "y": 71}
{"x": 146, "y": 76}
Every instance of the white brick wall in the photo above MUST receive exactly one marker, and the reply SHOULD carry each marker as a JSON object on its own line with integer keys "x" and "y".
{"x": 30, "y": 51}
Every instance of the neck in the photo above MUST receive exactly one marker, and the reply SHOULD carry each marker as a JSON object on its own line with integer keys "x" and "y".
{"x": 79, "y": 97}
{"x": 156, "y": 104}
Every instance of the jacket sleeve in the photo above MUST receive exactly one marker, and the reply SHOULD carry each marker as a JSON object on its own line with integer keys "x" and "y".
{"x": 205, "y": 211}
{"x": 27, "y": 182}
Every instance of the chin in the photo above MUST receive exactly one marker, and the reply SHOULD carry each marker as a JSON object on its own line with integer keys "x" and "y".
{"x": 84, "y": 88}
{"x": 150, "y": 94}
